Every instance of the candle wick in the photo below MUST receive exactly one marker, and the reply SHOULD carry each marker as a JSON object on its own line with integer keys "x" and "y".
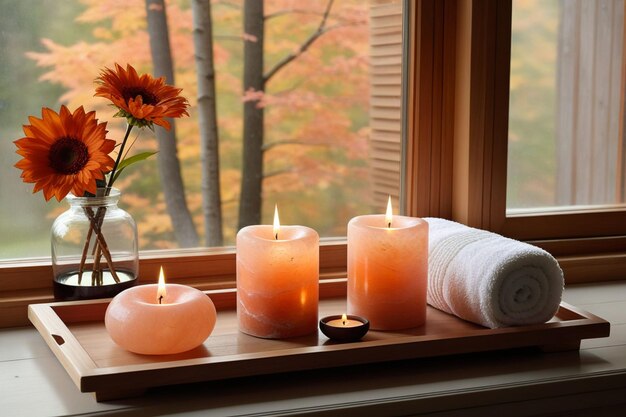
{"x": 389, "y": 225}
{"x": 276, "y": 236}
{"x": 344, "y": 322}
{"x": 160, "y": 299}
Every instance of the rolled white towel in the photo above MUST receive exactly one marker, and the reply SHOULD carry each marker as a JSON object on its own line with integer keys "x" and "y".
{"x": 489, "y": 279}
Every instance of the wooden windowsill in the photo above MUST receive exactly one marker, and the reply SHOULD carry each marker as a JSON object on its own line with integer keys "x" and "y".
{"x": 29, "y": 281}
{"x": 217, "y": 271}
{"x": 520, "y": 382}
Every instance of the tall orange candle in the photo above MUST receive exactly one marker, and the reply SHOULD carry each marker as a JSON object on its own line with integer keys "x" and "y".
{"x": 388, "y": 270}
{"x": 277, "y": 280}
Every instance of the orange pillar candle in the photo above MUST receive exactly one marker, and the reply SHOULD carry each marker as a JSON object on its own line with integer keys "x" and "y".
{"x": 277, "y": 280}
{"x": 388, "y": 270}
{"x": 160, "y": 319}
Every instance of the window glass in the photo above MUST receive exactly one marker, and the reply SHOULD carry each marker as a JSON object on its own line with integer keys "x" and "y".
{"x": 331, "y": 115}
{"x": 566, "y": 146}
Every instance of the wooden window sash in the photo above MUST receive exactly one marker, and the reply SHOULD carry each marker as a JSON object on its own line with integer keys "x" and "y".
{"x": 491, "y": 40}
{"x": 205, "y": 269}
{"x": 30, "y": 281}
{"x": 430, "y": 100}
{"x": 590, "y": 243}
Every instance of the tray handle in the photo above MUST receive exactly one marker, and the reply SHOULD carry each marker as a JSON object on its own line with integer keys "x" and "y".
{"x": 51, "y": 327}
{"x": 57, "y": 338}
{"x": 60, "y": 340}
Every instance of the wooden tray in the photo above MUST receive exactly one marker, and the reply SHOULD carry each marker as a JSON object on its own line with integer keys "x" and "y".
{"x": 76, "y": 334}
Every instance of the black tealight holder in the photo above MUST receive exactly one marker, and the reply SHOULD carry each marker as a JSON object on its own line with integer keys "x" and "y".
{"x": 335, "y": 328}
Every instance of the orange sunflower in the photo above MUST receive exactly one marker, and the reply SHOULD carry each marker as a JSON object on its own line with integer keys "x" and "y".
{"x": 64, "y": 152}
{"x": 142, "y": 100}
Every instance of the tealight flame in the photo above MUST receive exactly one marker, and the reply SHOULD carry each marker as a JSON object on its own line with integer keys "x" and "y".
{"x": 276, "y": 222}
{"x": 389, "y": 214}
{"x": 161, "y": 287}
{"x": 344, "y": 318}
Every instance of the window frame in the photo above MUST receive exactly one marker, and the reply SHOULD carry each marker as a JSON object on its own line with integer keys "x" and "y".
{"x": 454, "y": 164}
{"x": 457, "y": 125}
{"x": 29, "y": 281}
{"x": 589, "y": 243}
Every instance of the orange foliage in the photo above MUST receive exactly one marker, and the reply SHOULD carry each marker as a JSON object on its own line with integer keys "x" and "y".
{"x": 320, "y": 100}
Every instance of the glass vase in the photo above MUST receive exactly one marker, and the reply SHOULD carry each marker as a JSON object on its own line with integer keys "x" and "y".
{"x": 94, "y": 248}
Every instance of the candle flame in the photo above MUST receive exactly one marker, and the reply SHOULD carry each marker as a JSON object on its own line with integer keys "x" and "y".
{"x": 161, "y": 287}
{"x": 276, "y": 222}
{"x": 344, "y": 318}
{"x": 389, "y": 214}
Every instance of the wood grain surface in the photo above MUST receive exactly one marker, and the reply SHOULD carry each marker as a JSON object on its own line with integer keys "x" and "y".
{"x": 76, "y": 334}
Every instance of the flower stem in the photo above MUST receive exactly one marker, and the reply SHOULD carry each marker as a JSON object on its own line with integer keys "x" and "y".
{"x": 96, "y": 222}
{"x": 119, "y": 157}
{"x": 83, "y": 258}
{"x": 102, "y": 249}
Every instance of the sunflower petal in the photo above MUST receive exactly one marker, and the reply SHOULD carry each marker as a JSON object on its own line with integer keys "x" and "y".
{"x": 78, "y": 131}
{"x": 142, "y": 99}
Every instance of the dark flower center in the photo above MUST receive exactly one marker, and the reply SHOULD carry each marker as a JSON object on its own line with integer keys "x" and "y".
{"x": 68, "y": 156}
{"x": 146, "y": 96}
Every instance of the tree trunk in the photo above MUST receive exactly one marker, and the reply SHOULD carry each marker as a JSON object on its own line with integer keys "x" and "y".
{"x": 207, "y": 113}
{"x": 169, "y": 164}
{"x": 252, "y": 172}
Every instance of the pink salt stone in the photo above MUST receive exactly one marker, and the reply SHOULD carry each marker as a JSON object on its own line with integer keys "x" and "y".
{"x": 277, "y": 281}
{"x": 388, "y": 271}
{"x": 138, "y": 323}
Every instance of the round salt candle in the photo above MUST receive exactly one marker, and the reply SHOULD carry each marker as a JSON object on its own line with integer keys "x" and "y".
{"x": 388, "y": 271}
{"x": 277, "y": 281}
{"x": 137, "y": 322}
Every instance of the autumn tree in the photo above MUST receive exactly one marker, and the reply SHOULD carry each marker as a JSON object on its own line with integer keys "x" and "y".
{"x": 171, "y": 179}
{"x": 315, "y": 109}
{"x": 207, "y": 119}
{"x": 255, "y": 83}
{"x": 119, "y": 32}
